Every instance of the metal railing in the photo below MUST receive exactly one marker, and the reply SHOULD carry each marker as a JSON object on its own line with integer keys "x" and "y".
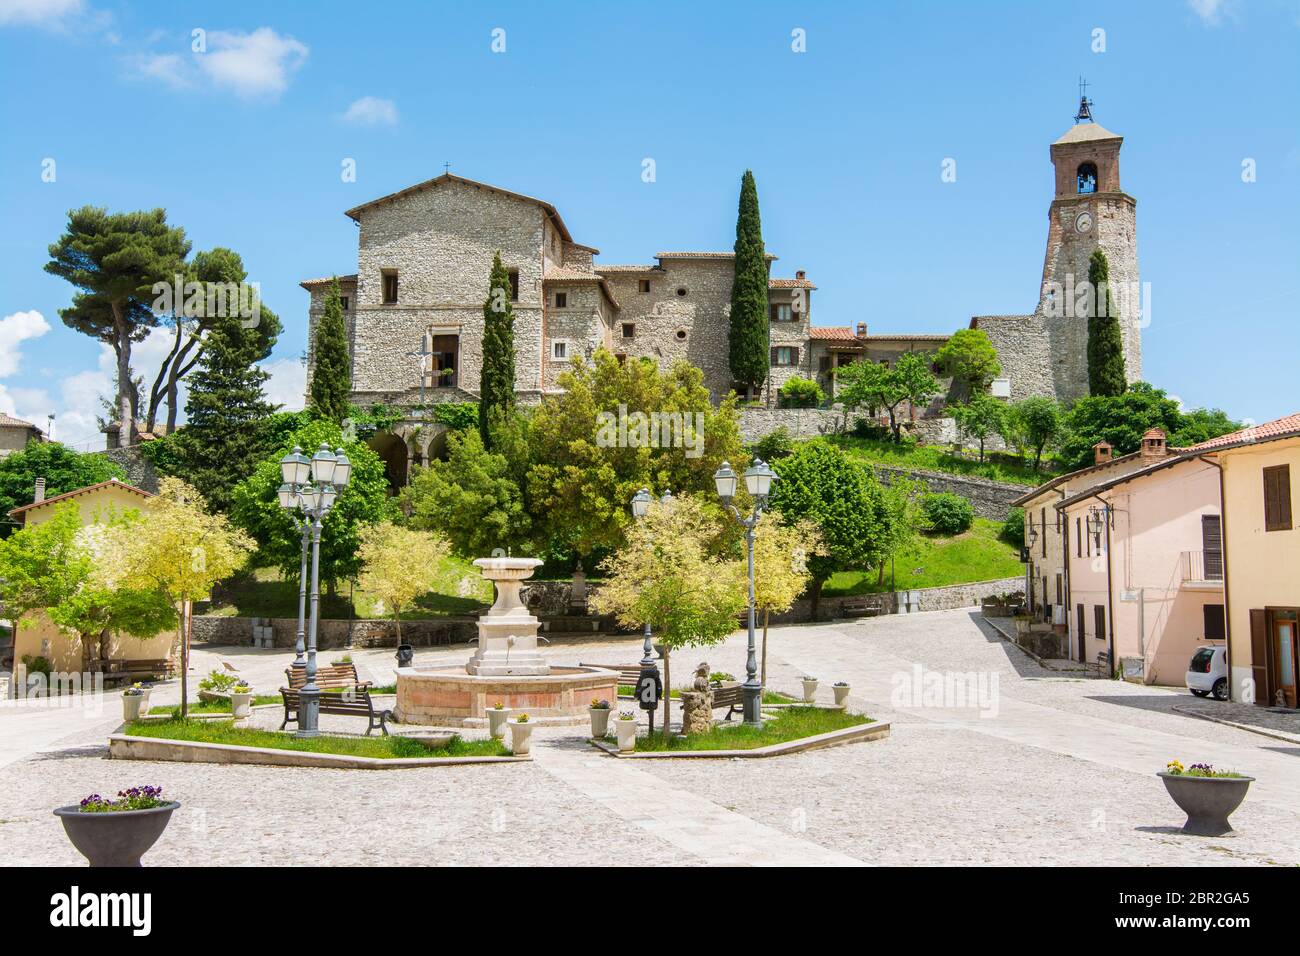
{"x": 1202, "y": 565}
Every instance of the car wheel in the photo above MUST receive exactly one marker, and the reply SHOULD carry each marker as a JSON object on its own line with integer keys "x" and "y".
{"x": 1221, "y": 689}
{"x": 1199, "y": 693}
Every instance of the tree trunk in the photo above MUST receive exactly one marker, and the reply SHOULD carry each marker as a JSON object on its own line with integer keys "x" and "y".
{"x": 981, "y": 451}
{"x": 124, "y": 387}
{"x": 185, "y": 658}
{"x": 105, "y": 638}
{"x": 763, "y": 670}
{"x": 815, "y": 593}
{"x": 180, "y": 368}
{"x": 880, "y": 578}
{"x": 397, "y": 619}
{"x": 895, "y": 427}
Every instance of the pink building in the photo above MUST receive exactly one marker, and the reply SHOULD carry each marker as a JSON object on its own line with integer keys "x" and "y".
{"x": 1144, "y": 565}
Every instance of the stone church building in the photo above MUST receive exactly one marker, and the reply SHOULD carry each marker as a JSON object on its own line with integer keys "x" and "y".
{"x": 413, "y": 310}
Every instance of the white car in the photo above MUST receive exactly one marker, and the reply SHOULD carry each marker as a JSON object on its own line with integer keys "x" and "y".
{"x": 1208, "y": 672}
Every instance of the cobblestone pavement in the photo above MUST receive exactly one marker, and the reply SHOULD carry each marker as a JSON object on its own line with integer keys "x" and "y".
{"x": 1034, "y": 768}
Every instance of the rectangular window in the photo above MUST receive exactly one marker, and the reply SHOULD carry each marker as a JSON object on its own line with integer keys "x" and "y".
{"x": 1215, "y": 628}
{"x": 390, "y": 286}
{"x": 561, "y": 300}
{"x": 781, "y": 313}
{"x": 824, "y": 363}
{"x": 785, "y": 355}
{"x": 514, "y": 284}
{"x": 629, "y": 330}
{"x": 1277, "y": 498}
{"x": 643, "y": 286}
{"x": 1044, "y": 524}
{"x": 1099, "y": 621}
{"x": 343, "y": 301}
{"x": 1060, "y": 593}
{"x": 560, "y": 350}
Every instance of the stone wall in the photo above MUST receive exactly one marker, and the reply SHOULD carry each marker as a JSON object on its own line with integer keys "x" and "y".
{"x": 756, "y": 422}
{"x": 238, "y": 631}
{"x": 139, "y": 469}
{"x": 991, "y": 499}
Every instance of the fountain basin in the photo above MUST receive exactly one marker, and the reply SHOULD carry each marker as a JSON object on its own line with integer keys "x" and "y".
{"x": 450, "y": 697}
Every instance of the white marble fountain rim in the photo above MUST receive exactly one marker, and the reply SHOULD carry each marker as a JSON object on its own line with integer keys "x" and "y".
{"x": 458, "y": 674}
{"x": 508, "y": 564}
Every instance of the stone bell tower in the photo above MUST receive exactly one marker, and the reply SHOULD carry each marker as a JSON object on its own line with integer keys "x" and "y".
{"x": 1090, "y": 210}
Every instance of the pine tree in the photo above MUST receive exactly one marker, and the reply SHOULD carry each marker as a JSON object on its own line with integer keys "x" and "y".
{"x": 1105, "y": 342}
{"x": 749, "y": 322}
{"x": 497, "y": 383}
{"x": 331, "y": 379}
{"x": 224, "y": 440}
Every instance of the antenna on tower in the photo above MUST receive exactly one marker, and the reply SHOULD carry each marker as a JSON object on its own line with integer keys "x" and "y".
{"x": 1085, "y": 104}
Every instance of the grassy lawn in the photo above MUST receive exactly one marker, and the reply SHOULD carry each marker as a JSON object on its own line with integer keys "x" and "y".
{"x": 791, "y": 724}
{"x": 975, "y": 555}
{"x": 997, "y": 466}
{"x": 264, "y": 593}
{"x": 221, "y": 732}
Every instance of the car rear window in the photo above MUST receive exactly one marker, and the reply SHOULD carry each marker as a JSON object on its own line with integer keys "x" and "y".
{"x": 1201, "y": 660}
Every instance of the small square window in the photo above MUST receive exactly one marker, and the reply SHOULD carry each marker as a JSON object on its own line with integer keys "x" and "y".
{"x": 561, "y": 300}
{"x": 343, "y": 302}
{"x": 390, "y": 286}
{"x": 643, "y": 285}
{"x": 560, "y": 350}
{"x": 629, "y": 330}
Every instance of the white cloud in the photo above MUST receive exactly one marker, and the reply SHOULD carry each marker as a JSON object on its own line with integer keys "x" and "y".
{"x": 371, "y": 111}
{"x": 1212, "y": 12}
{"x": 14, "y": 330}
{"x": 287, "y": 385}
{"x": 168, "y": 68}
{"x": 43, "y": 13}
{"x": 251, "y": 64}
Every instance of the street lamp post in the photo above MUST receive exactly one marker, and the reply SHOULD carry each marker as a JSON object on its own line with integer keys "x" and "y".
{"x": 648, "y": 686}
{"x": 758, "y": 482}
{"x": 311, "y": 486}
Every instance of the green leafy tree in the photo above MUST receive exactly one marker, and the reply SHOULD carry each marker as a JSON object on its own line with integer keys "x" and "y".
{"x": 969, "y": 358}
{"x": 497, "y": 381}
{"x": 946, "y": 513}
{"x": 1105, "y": 342}
{"x": 819, "y": 482}
{"x": 41, "y": 565}
{"x": 331, "y": 375}
{"x": 666, "y": 575}
{"x": 255, "y": 506}
{"x": 1032, "y": 425}
{"x": 115, "y": 259}
{"x": 979, "y": 418}
{"x": 227, "y": 407}
{"x": 902, "y": 521}
{"x": 876, "y": 385}
{"x": 749, "y": 321}
{"x": 399, "y": 564}
{"x": 1013, "y": 528}
{"x": 62, "y": 468}
{"x": 472, "y": 497}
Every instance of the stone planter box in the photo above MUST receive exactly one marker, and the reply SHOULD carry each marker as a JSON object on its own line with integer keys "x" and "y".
{"x": 1207, "y": 801}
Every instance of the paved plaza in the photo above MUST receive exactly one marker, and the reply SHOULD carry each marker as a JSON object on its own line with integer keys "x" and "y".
{"x": 1023, "y": 766}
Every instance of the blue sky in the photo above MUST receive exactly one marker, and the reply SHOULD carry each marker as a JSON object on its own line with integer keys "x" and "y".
{"x": 243, "y": 146}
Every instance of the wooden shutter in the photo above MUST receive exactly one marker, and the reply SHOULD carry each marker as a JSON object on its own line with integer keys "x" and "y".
{"x": 1215, "y": 629}
{"x": 1277, "y": 498}
{"x": 1212, "y": 546}
{"x": 1059, "y": 591}
{"x": 1099, "y": 619}
{"x": 1044, "y": 516}
{"x": 1078, "y": 538}
{"x": 1261, "y": 658}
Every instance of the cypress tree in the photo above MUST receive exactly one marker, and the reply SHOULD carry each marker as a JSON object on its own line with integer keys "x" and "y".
{"x": 497, "y": 383}
{"x": 1105, "y": 343}
{"x": 331, "y": 377}
{"x": 749, "y": 324}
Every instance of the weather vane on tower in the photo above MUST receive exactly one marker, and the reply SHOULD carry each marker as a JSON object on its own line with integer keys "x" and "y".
{"x": 1085, "y": 104}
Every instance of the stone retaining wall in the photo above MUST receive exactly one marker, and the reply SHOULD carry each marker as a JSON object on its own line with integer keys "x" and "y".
{"x": 331, "y": 633}
{"x": 991, "y": 499}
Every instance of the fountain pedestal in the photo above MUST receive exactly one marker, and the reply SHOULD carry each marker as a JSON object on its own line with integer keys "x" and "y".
{"x": 507, "y": 633}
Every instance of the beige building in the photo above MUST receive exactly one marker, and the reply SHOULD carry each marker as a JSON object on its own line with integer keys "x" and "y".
{"x": 38, "y": 636}
{"x": 1260, "y": 482}
{"x": 16, "y": 433}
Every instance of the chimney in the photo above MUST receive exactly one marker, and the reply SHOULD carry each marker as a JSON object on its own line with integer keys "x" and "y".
{"x": 39, "y": 496}
{"x": 800, "y": 275}
{"x": 1153, "y": 445}
{"x": 1101, "y": 452}
{"x": 862, "y": 330}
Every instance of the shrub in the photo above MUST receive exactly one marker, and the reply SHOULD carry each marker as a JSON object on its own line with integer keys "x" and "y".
{"x": 801, "y": 393}
{"x": 775, "y": 444}
{"x": 218, "y": 682}
{"x": 947, "y": 513}
{"x": 866, "y": 428}
{"x": 1013, "y": 529}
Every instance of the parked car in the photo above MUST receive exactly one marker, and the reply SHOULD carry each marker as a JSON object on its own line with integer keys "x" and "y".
{"x": 1208, "y": 672}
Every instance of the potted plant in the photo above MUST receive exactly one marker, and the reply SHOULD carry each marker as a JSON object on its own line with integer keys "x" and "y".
{"x": 599, "y": 718}
{"x": 625, "y": 727}
{"x": 841, "y": 689}
{"x": 521, "y": 735}
{"x": 133, "y": 699}
{"x": 498, "y": 714}
{"x": 241, "y": 699}
{"x": 721, "y": 678}
{"x": 117, "y": 832}
{"x": 809, "y": 689}
{"x": 1206, "y": 795}
{"x": 345, "y": 659}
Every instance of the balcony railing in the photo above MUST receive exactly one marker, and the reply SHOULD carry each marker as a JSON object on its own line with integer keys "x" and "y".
{"x": 1202, "y": 566}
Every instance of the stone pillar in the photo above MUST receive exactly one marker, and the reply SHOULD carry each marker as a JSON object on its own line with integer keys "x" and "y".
{"x": 697, "y": 712}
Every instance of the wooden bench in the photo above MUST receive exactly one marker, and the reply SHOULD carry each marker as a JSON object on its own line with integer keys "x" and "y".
{"x": 628, "y": 674}
{"x": 134, "y": 670}
{"x": 342, "y": 694}
{"x": 862, "y": 607}
{"x": 731, "y": 697}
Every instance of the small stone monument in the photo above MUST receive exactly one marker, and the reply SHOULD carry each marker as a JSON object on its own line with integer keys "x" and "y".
{"x": 697, "y": 704}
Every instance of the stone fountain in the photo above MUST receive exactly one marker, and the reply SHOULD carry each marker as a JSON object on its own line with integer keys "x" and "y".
{"x": 506, "y": 667}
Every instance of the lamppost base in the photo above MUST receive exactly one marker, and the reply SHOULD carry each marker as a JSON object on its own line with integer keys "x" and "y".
{"x": 309, "y": 714}
{"x": 752, "y": 703}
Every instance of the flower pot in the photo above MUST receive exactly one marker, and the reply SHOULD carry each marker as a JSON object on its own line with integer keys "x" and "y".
{"x": 116, "y": 838}
{"x": 521, "y": 737}
{"x": 626, "y": 730}
{"x": 599, "y": 721}
{"x": 1207, "y": 801}
{"x": 841, "y": 694}
{"x": 809, "y": 690}
{"x": 497, "y": 717}
{"x": 241, "y": 704}
{"x": 132, "y": 705}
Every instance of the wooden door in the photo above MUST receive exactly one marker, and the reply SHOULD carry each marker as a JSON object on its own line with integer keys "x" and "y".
{"x": 1261, "y": 658}
{"x": 1079, "y": 618}
{"x": 1284, "y": 654}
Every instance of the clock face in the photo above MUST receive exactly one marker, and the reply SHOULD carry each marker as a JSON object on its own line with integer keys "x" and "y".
{"x": 1083, "y": 222}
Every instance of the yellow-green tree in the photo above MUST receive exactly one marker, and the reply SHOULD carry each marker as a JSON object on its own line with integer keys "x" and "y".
{"x": 181, "y": 549}
{"x": 781, "y": 552}
{"x": 665, "y": 575}
{"x": 399, "y": 564}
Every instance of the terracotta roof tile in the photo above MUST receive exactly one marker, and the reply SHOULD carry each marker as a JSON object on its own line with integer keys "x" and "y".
{"x": 111, "y": 483}
{"x": 308, "y": 283}
{"x": 1278, "y": 428}
{"x": 789, "y": 284}
{"x": 832, "y": 333}
{"x": 11, "y": 422}
{"x": 703, "y": 255}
